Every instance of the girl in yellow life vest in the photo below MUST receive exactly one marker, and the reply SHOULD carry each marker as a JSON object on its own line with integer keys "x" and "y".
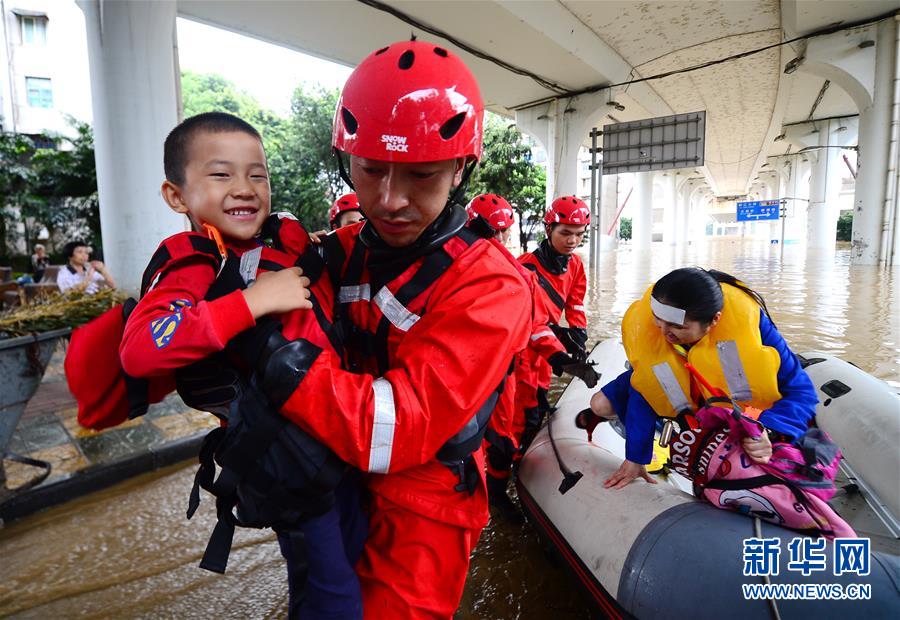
{"x": 721, "y": 327}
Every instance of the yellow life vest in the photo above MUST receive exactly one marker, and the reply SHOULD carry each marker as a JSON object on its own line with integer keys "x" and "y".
{"x": 731, "y": 356}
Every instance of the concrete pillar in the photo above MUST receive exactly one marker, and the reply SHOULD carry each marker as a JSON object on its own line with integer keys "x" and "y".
{"x": 642, "y": 219}
{"x": 669, "y": 207}
{"x": 867, "y": 74}
{"x": 561, "y": 126}
{"x": 609, "y": 205}
{"x": 131, "y": 49}
{"x": 683, "y": 214}
{"x": 874, "y": 145}
{"x": 824, "y": 187}
{"x": 698, "y": 218}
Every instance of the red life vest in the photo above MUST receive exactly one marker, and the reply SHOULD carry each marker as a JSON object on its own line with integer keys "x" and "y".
{"x": 106, "y": 395}
{"x": 372, "y": 318}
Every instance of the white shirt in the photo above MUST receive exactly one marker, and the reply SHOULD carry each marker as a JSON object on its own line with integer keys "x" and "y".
{"x": 68, "y": 277}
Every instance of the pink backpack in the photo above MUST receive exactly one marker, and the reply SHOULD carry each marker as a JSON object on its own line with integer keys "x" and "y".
{"x": 790, "y": 490}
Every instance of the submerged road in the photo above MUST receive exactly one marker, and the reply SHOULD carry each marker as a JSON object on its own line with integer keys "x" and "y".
{"x": 129, "y": 551}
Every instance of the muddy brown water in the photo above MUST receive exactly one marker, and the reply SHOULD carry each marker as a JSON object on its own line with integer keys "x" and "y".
{"x": 128, "y": 552}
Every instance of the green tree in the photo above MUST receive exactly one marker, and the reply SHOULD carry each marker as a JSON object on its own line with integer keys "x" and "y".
{"x": 313, "y": 179}
{"x": 625, "y": 228}
{"x": 302, "y": 171}
{"x": 506, "y": 169}
{"x": 845, "y": 226}
{"x": 15, "y": 178}
{"x": 208, "y": 92}
{"x": 64, "y": 186}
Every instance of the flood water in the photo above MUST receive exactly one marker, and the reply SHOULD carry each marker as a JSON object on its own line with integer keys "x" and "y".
{"x": 128, "y": 552}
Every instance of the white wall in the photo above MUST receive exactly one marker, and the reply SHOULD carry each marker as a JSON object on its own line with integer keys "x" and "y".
{"x": 63, "y": 60}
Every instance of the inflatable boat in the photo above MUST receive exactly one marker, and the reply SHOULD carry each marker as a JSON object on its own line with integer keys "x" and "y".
{"x": 655, "y": 551}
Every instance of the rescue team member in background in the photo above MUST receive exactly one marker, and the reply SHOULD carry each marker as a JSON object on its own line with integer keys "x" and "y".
{"x": 491, "y": 216}
{"x": 560, "y": 275}
{"x": 723, "y": 329}
{"x": 216, "y": 175}
{"x": 345, "y": 211}
{"x": 80, "y": 274}
{"x": 432, "y": 317}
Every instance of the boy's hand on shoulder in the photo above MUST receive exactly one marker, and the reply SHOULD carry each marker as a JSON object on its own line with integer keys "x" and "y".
{"x": 316, "y": 237}
{"x": 278, "y": 292}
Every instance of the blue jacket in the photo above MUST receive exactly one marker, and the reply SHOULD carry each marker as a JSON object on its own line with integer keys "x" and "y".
{"x": 790, "y": 415}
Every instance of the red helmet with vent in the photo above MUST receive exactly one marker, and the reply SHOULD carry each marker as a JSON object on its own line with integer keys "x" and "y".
{"x": 569, "y": 210}
{"x": 495, "y": 210}
{"x": 411, "y": 101}
{"x": 347, "y": 202}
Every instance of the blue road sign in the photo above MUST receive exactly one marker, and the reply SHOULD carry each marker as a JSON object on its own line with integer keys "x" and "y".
{"x": 758, "y": 210}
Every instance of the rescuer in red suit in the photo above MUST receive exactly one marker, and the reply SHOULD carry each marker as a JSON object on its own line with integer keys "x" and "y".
{"x": 431, "y": 316}
{"x": 562, "y": 283}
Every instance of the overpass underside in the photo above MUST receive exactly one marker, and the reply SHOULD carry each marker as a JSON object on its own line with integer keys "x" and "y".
{"x": 782, "y": 98}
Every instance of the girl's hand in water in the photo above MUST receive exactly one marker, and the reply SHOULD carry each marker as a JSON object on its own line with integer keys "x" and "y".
{"x": 277, "y": 292}
{"x": 627, "y": 472}
{"x": 760, "y": 449}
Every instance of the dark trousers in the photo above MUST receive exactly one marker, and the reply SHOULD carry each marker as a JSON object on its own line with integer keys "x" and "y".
{"x": 322, "y": 583}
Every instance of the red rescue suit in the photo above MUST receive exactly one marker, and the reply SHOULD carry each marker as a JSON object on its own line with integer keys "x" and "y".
{"x": 563, "y": 284}
{"x": 426, "y": 354}
{"x": 508, "y": 421}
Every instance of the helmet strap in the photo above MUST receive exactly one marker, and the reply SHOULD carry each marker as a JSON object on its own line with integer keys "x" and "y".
{"x": 464, "y": 181}
{"x": 342, "y": 169}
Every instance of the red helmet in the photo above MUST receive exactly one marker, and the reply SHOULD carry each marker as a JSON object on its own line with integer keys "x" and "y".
{"x": 568, "y": 210}
{"x": 347, "y": 202}
{"x": 495, "y": 210}
{"x": 411, "y": 101}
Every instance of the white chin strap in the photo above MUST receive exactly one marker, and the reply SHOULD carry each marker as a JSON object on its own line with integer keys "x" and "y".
{"x": 669, "y": 314}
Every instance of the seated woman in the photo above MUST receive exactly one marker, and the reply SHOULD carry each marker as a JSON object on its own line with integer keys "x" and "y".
{"x": 722, "y": 328}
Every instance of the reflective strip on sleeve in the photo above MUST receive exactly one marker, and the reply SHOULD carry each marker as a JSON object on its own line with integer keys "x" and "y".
{"x": 578, "y": 308}
{"x": 250, "y": 265}
{"x": 666, "y": 377}
{"x": 395, "y": 312}
{"x": 382, "y": 427}
{"x": 542, "y": 334}
{"x": 733, "y": 369}
{"x": 349, "y": 294}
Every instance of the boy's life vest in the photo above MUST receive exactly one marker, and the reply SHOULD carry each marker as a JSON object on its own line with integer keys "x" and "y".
{"x": 276, "y": 472}
{"x": 731, "y": 354}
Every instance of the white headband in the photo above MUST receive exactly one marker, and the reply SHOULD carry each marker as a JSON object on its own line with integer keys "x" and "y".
{"x": 669, "y": 314}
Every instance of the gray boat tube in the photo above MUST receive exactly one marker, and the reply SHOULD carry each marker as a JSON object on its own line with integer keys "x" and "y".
{"x": 654, "y": 551}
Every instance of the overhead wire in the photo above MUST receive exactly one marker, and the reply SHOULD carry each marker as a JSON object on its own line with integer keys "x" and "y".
{"x": 412, "y": 21}
{"x": 564, "y": 93}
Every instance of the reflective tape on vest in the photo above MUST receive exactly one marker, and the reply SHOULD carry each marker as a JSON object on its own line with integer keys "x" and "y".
{"x": 542, "y": 334}
{"x": 382, "y": 427}
{"x": 578, "y": 308}
{"x": 394, "y": 311}
{"x": 733, "y": 369}
{"x": 666, "y": 377}
{"x": 250, "y": 265}
{"x": 350, "y": 294}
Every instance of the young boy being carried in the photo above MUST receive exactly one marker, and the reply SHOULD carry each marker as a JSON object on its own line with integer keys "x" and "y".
{"x": 216, "y": 174}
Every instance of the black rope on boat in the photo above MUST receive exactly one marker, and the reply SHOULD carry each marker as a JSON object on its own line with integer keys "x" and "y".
{"x": 570, "y": 478}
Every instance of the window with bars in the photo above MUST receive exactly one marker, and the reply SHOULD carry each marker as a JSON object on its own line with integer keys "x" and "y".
{"x": 34, "y": 30}
{"x": 40, "y": 92}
